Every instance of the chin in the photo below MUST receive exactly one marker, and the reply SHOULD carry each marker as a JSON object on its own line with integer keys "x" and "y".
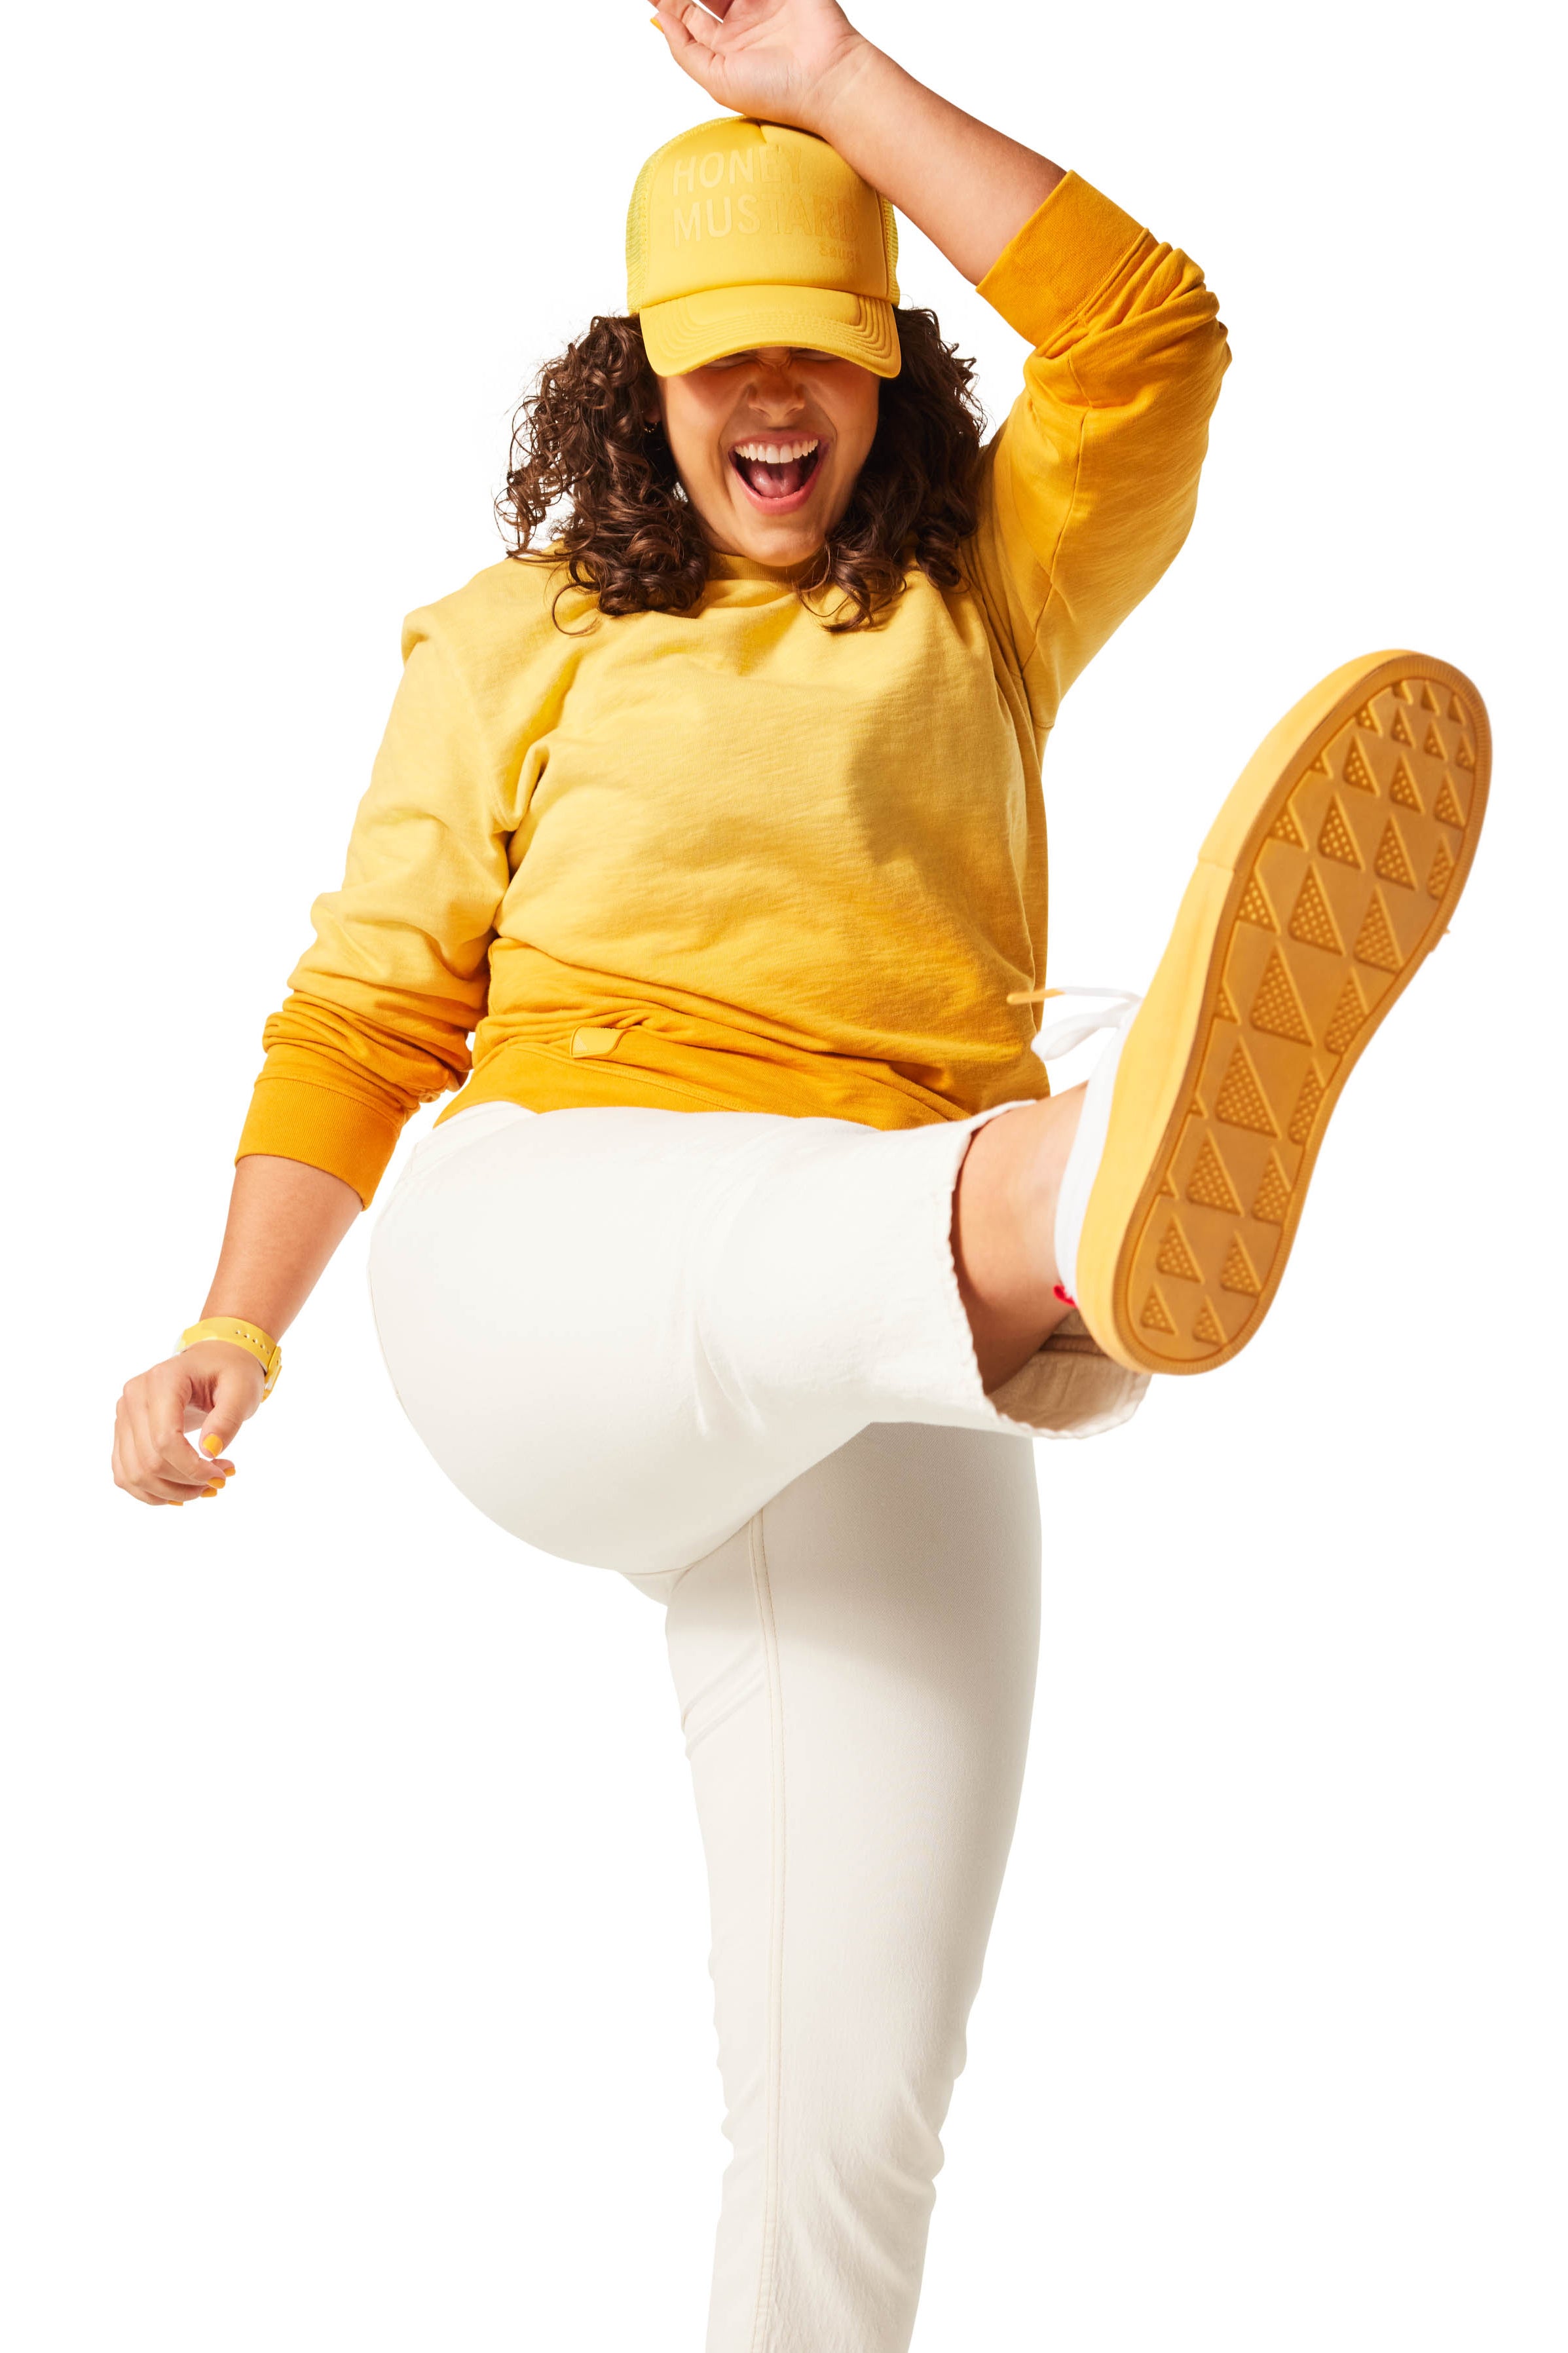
{"x": 779, "y": 546}
{"x": 792, "y": 538}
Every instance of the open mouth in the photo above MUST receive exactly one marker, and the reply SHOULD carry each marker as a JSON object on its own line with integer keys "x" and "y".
{"x": 778, "y": 475}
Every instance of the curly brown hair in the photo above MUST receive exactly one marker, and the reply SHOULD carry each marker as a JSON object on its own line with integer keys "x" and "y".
{"x": 631, "y": 536}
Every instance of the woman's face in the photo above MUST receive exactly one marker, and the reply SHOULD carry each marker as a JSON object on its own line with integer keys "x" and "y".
{"x": 768, "y": 444}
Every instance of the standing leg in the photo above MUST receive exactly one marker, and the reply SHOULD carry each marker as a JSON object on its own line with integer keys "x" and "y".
{"x": 855, "y": 1669}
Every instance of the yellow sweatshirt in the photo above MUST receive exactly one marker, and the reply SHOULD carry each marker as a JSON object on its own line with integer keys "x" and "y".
{"x": 722, "y": 860}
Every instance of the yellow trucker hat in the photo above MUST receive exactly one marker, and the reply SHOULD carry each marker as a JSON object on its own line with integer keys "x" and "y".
{"x": 740, "y": 234}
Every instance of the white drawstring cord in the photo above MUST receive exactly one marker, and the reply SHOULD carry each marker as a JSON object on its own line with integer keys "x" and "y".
{"x": 1062, "y": 1035}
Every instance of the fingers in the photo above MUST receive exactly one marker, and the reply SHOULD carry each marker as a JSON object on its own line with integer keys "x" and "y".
{"x": 152, "y": 1458}
{"x": 689, "y": 29}
{"x": 234, "y": 1401}
{"x": 150, "y": 1485}
{"x": 170, "y": 1467}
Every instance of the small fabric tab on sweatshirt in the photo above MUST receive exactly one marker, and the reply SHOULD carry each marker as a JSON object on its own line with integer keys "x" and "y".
{"x": 594, "y": 1043}
{"x": 1052, "y": 267}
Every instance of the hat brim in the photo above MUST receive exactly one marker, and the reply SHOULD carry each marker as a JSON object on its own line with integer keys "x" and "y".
{"x": 694, "y": 329}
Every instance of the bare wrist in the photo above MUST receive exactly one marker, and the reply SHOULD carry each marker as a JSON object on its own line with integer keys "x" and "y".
{"x": 227, "y": 1352}
{"x": 839, "y": 92}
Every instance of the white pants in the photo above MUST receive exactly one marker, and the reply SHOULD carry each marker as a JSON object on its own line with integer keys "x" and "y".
{"x": 725, "y": 1354}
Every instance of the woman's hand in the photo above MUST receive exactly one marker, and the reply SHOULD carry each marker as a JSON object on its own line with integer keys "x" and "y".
{"x": 286, "y": 1217}
{"x": 212, "y": 1386}
{"x": 772, "y": 60}
{"x": 970, "y": 188}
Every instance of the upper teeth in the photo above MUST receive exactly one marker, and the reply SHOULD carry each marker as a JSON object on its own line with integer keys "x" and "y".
{"x": 774, "y": 453}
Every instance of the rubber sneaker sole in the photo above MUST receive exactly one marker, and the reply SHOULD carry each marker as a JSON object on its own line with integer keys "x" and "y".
{"x": 1331, "y": 873}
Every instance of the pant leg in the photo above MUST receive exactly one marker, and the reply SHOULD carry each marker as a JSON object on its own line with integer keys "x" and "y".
{"x": 620, "y": 1331}
{"x": 855, "y": 1669}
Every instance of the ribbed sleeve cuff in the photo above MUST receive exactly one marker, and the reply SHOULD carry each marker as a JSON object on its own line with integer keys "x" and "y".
{"x": 1054, "y": 266}
{"x": 297, "y": 1120}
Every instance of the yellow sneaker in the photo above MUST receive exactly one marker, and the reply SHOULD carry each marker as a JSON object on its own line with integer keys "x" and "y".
{"x": 1329, "y": 873}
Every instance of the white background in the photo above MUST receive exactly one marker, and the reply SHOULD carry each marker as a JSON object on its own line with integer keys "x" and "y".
{"x": 354, "y": 1967}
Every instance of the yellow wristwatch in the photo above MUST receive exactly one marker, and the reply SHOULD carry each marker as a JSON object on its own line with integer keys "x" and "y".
{"x": 261, "y": 1344}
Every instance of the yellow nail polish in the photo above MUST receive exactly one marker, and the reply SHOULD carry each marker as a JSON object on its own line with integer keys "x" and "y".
{"x": 209, "y": 1491}
{"x": 211, "y": 1442}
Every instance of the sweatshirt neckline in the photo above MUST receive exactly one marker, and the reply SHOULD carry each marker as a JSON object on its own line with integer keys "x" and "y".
{"x": 747, "y": 567}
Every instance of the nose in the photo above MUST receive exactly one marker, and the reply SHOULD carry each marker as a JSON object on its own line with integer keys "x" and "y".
{"x": 773, "y": 381}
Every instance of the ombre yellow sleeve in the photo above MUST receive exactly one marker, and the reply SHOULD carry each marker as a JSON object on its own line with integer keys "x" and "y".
{"x": 382, "y": 1002}
{"x": 1089, "y": 488}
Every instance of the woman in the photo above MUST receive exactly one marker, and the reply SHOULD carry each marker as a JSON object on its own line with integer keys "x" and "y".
{"x": 754, "y": 1248}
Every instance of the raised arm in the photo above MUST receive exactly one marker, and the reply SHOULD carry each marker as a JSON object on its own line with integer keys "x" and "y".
{"x": 1087, "y": 489}
{"x": 802, "y": 62}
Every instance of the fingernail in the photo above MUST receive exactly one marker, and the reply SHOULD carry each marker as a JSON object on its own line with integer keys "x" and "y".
{"x": 211, "y": 1442}
{"x": 209, "y": 1491}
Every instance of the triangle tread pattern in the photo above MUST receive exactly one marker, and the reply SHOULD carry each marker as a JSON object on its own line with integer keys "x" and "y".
{"x": 1447, "y": 811}
{"x": 1390, "y": 864}
{"x": 1312, "y": 921}
{"x": 1402, "y": 790}
{"x": 1375, "y": 944}
{"x": 1209, "y": 1184}
{"x": 1336, "y": 840}
{"x": 1156, "y": 1315}
{"x": 1176, "y": 1256}
{"x": 1208, "y": 1328}
{"x": 1277, "y": 1008}
{"x": 1238, "y": 1273}
{"x": 1255, "y": 907}
{"x": 1358, "y": 775}
{"x": 1306, "y": 1110}
{"x": 1285, "y": 828}
{"x": 1347, "y": 1017}
{"x": 1273, "y": 1197}
{"x": 1442, "y": 868}
{"x": 1241, "y": 1102}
